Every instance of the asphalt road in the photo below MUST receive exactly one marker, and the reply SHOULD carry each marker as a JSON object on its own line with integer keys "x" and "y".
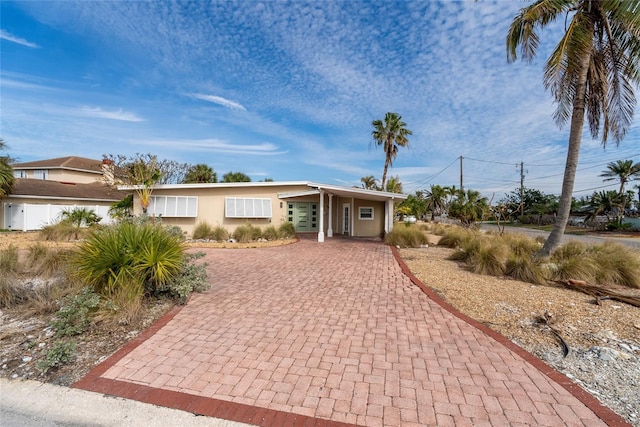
{"x": 633, "y": 242}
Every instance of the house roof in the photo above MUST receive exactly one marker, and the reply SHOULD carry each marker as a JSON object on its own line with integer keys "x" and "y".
{"x": 45, "y": 189}
{"x": 70, "y": 162}
{"x": 314, "y": 188}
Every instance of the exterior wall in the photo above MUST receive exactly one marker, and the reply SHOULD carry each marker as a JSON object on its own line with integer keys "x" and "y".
{"x": 64, "y": 175}
{"x": 211, "y": 209}
{"x": 211, "y": 205}
{"x": 32, "y": 214}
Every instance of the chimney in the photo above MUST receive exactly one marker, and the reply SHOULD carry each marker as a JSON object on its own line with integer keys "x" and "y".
{"x": 108, "y": 171}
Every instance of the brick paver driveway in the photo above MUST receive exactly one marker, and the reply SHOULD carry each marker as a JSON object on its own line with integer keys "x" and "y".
{"x": 298, "y": 334}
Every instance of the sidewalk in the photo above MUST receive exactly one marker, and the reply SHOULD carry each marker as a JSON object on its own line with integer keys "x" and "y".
{"x": 31, "y": 403}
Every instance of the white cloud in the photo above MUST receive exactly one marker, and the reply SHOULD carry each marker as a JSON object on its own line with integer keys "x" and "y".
{"x": 5, "y": 35}
{"x": 219, "y": 146}
{"x": 112, "y": 115}
{"x": 219, "y": 100}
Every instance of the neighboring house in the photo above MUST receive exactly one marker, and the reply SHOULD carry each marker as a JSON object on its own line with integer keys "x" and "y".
{"x": 45, "y": 188}
{"x": 311, "y": 207}
{"x": 79, "y": 170}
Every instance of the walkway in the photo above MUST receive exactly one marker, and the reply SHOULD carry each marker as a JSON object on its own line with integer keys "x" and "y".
{"x": 334, "y": 333}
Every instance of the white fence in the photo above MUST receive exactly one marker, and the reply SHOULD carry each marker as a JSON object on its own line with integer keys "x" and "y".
{"x": 26, "y": 216}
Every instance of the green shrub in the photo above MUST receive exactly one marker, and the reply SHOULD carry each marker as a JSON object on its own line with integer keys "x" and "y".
{"x": 246, "y": 233}
{"x": 61, "y": 353}
{"x": 287, "y": 230}
{"x": 139, "y": 256}
{"x": 406, "y": 237}
{"x": 192, "y": 278}
{"x": 202, "y": 231}
{"x": 616, "y": 226}
{"x": 270, "y": 233}
{"x": 9, "y": 260}
{"x": 74, "y": 316}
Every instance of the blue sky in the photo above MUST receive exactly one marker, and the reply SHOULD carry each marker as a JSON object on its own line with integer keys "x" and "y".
{"x": 288, "y": 90}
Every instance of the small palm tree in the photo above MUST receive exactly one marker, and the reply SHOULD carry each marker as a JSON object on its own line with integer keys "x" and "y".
{"x": 624, "y": 171}
{"x": 80, "y": 217}
{"x": 394, "y": 185}
{"x": 390, "y": 134}
{"x": 436, "y": 199}
{"x": 469, "y": 207}
{"x": 369, "y": 182}
{"x": 603, "y": 203}
{"x": 591, "y": 72}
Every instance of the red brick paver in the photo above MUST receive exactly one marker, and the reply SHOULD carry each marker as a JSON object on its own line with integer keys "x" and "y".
{"x": 332, "y": 333}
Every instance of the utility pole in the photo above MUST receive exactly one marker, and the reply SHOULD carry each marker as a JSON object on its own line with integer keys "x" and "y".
{"x": 521, "y": 188}
{"x": 461, "y": 187}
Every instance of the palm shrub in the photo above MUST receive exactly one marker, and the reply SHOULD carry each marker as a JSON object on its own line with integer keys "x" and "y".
{"x": 270, "y": 233}
{"x": 80, "y": 217}
{"x": 287, "y": 230}
{"x": 138, "y": 256}
{"x": 406, "y": 237}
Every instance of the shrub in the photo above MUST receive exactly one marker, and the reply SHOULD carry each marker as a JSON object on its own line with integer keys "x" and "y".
{"x": 454, "y": 236}
{"x": 287, "y": 230}
{"x": 520, "y": 245}
{"x": 58, "y": 355}
{"x": 270, "y": 233}
{"x": 58, "y": 232}
{"x": 79, "y": 218}
{"x": 74, "y": 316}
{"x": 246, "y": 233}
{"x": 466, "y": 250}
{"x": 616, "y": 264}
{"x": 219, "y": 234}
{"x": 439, "y": 229}
{"x": 192, "y": 278}
{"x": 136, "y": 256}
{"x": 525, "y": 268}
{"x": 47, "y": 261}
{"x": 11, "y": 293}
{"x": 9, "y": 260}
{"x": 406, "y": 237}
{"x": 202, "y": 230}
{"x": 489, "y": 257}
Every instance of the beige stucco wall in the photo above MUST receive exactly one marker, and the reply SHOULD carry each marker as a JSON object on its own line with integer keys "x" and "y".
{"x": 211, "y": 205}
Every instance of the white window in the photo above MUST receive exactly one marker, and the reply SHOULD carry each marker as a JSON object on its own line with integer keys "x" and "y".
{"x": 240, "y": 207}
{"x": 173, "y": 206}
{"x": 19, "y": 173}
{"x": 365, "y": 213}
{"x": 40, "y": 174}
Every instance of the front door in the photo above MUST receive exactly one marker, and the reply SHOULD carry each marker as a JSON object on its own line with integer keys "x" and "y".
{"x": 303, "y": 215}
{"x": 346, "y": 218}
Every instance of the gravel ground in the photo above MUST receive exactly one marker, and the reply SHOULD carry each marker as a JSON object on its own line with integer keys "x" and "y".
{"x": 604, "y": 339}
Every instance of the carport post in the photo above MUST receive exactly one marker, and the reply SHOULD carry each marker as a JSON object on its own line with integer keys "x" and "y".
{"x": 321, "y": 228}
{"x": 330, "y": 229}
{"x": 389, "y": 216}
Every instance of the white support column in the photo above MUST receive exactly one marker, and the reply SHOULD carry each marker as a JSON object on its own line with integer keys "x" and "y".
{"x": 330, "y": 226}
{"x": 386, "y": 217}
{"x": 390, "y": 217}
{"x": 321, "y": 222}
{"x": 353, "y": 215}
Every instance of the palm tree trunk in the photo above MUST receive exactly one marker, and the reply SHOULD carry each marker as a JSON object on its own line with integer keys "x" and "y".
{"x": 573, "y": 153}
{"x": 384, "y": 172}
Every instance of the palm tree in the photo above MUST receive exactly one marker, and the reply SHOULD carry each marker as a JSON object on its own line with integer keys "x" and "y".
{"x": 369, "y": 182}
{"x": 469, "y": 207}
{"x": 624, "y": 171}
{"x": 436, "y": 199}
{"x": 591, "y": 71}
{"x": 394, "y": 185}
{"x": 390, "y": 134}
{"x": 200, "y": 173}
{"x": 235, "y": 177}
{"x": 7, "y": 180}
{"x": 603, "y": 202}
